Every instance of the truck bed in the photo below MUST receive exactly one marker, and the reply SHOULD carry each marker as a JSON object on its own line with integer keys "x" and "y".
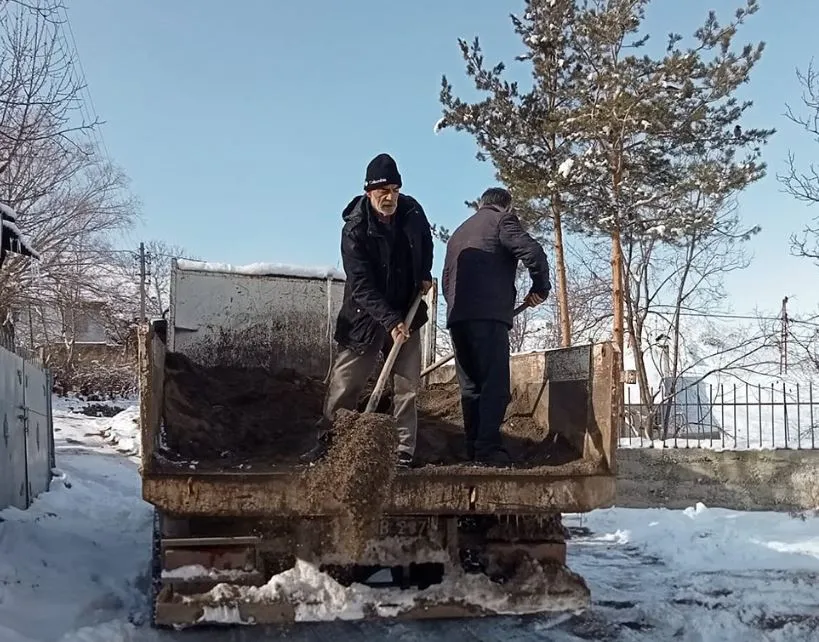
{"x": 561, "y": 417}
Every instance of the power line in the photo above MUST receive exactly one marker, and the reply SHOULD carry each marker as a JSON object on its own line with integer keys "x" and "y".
{"x": 82, "y": 80}
{"x": 690, "y": 312}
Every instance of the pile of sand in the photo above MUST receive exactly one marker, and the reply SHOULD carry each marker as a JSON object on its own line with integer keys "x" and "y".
{"x": 357, "y": 472}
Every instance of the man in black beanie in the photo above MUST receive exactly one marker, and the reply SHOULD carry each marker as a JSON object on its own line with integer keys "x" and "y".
{"x": 386, "y": 249}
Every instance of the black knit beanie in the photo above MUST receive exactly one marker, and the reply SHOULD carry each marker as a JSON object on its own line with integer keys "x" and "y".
{"x": 382, "y": 170}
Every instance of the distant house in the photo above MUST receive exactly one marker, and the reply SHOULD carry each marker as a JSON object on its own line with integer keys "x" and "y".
{"x": 87, "y": 327}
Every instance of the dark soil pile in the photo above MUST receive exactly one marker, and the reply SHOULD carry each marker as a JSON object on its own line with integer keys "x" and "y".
{"x": 239, "y": 412}
{"x": 254, "y": 415}
{"x": 441, "y": 432}
{"x": 358, "y": 472}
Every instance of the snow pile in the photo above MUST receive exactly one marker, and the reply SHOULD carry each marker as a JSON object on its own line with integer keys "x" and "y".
{"x": 197, "y": 571}
{"x": 263, "y": 269}
{"x": 122, "y": 431}
{"x": 701, "y": 539}
{"x": 318, "y": 597}
{"x": 79, "y": 556}
{"x": 699, "y": 574}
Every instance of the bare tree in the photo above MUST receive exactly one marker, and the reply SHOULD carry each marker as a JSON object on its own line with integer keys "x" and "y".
{"x": 668, "y": 282}
{"x": 160, "y": 256}
{"x": 40, "y": 95}
{"x": 68, "y": 198}
{"x": 803, "y": 184}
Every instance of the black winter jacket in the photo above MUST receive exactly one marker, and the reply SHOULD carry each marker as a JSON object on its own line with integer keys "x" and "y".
{"x": 481, "y": 263}
{"x": 378, "y": 291}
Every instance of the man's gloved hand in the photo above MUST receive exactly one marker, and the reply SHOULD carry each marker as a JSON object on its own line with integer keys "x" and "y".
{"x": 400, "y": 333}
{"x": 533, "y": 299}
{"x": 425, "y": 286}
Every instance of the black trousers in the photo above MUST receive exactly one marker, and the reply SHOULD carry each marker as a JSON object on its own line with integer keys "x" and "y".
{"x": 482, "y": 364}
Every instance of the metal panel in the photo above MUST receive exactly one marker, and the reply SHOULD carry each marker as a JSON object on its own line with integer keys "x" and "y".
{"x": 7, "y": 468}
{"x": 37, "y": 422}
{"x": 428, "y": 332}
{"x": 270, "y": 321}
{"x": 13, "y": 482}
{"x": 569, "y": 364}
{"x": 275, "y": 321}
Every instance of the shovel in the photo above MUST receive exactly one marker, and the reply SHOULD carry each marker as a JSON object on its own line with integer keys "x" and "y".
{"x": 378, "y": 390}
{"x": 444, "y": 360}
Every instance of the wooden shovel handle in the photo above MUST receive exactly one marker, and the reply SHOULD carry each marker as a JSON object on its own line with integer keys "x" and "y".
{"x": 375, "y": 397}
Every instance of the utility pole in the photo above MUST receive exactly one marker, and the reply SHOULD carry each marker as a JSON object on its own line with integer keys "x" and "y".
{"x": 783, "y": 350}
{"x": 142, "y": 285}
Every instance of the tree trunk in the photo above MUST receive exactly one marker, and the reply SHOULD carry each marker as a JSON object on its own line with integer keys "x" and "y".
{"x": 617, "y": 289}
{"x": 617, "y": 329}
{"x": 672, "y": 374}
{"x": 635, "y": 322}
{"x": 562, "y": 286}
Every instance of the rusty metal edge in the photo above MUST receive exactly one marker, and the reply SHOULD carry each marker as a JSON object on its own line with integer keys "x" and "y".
{"x": 197, "y": 496}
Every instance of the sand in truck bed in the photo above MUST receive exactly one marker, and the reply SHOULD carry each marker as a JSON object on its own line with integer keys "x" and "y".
{"x": 252, "y": 416}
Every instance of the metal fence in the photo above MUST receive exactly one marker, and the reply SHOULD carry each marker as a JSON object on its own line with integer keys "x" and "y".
{"x": 735, "y": 416}
{"x": 27, "y": 434}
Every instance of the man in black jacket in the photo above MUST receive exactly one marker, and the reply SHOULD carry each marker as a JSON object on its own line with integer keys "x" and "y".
{"x": 479, "y": 287}
{"x": 386, "y": 249}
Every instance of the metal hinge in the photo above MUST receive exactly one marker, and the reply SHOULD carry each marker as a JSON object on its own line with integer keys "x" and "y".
{"x": 23, "y": 416}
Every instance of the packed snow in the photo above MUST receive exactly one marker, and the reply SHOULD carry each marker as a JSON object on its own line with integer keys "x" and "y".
{"x": 318, "y": 597}
{"x": 262, "y": 269}
{"x": 75, "y": 567}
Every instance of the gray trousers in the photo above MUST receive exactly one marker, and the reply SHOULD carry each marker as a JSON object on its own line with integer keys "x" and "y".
{"x": 349, "y": 376}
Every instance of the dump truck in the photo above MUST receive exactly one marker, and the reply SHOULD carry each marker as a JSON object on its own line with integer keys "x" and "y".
{"x": 231, "y": 384}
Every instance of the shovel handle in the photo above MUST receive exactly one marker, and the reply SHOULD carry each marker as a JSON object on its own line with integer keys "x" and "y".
{"x": 378, "y": 390}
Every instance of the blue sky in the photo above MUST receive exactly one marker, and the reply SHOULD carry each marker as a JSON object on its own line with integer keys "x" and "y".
{"x": 246, "y": 130}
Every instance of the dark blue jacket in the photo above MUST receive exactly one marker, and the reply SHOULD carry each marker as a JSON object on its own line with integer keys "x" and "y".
{"x": 481, "y": 265}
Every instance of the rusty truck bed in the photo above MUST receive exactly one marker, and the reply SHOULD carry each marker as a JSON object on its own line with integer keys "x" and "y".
{"x": 569, "y": 393}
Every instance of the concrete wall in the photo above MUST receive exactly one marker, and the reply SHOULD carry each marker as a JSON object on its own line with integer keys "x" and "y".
{"x": 782, "y": 480}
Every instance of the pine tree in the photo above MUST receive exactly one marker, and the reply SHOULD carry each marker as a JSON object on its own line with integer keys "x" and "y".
{"x": 524, "y": 133}
{"x": 662, "y": 140}
{"x": 611, "y": 141}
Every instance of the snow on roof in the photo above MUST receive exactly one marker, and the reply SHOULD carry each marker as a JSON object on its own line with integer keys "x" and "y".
{"x": 8, "y": 212}
{"x": 262, "y": 269}
{"x": 9, "y": 218}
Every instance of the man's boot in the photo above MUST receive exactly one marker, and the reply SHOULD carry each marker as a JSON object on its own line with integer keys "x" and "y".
{"x": 470, "y": 450}
{"x": 497, "y": 458}
{"x": 322, "y": 445}
{"x": 315, "y": 453}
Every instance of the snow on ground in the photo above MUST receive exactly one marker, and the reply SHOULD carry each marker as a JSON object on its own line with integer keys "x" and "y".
{"x": 121, "y": 432}
{"x": 75, "y": 567}
{"x": 77, "y": 556}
